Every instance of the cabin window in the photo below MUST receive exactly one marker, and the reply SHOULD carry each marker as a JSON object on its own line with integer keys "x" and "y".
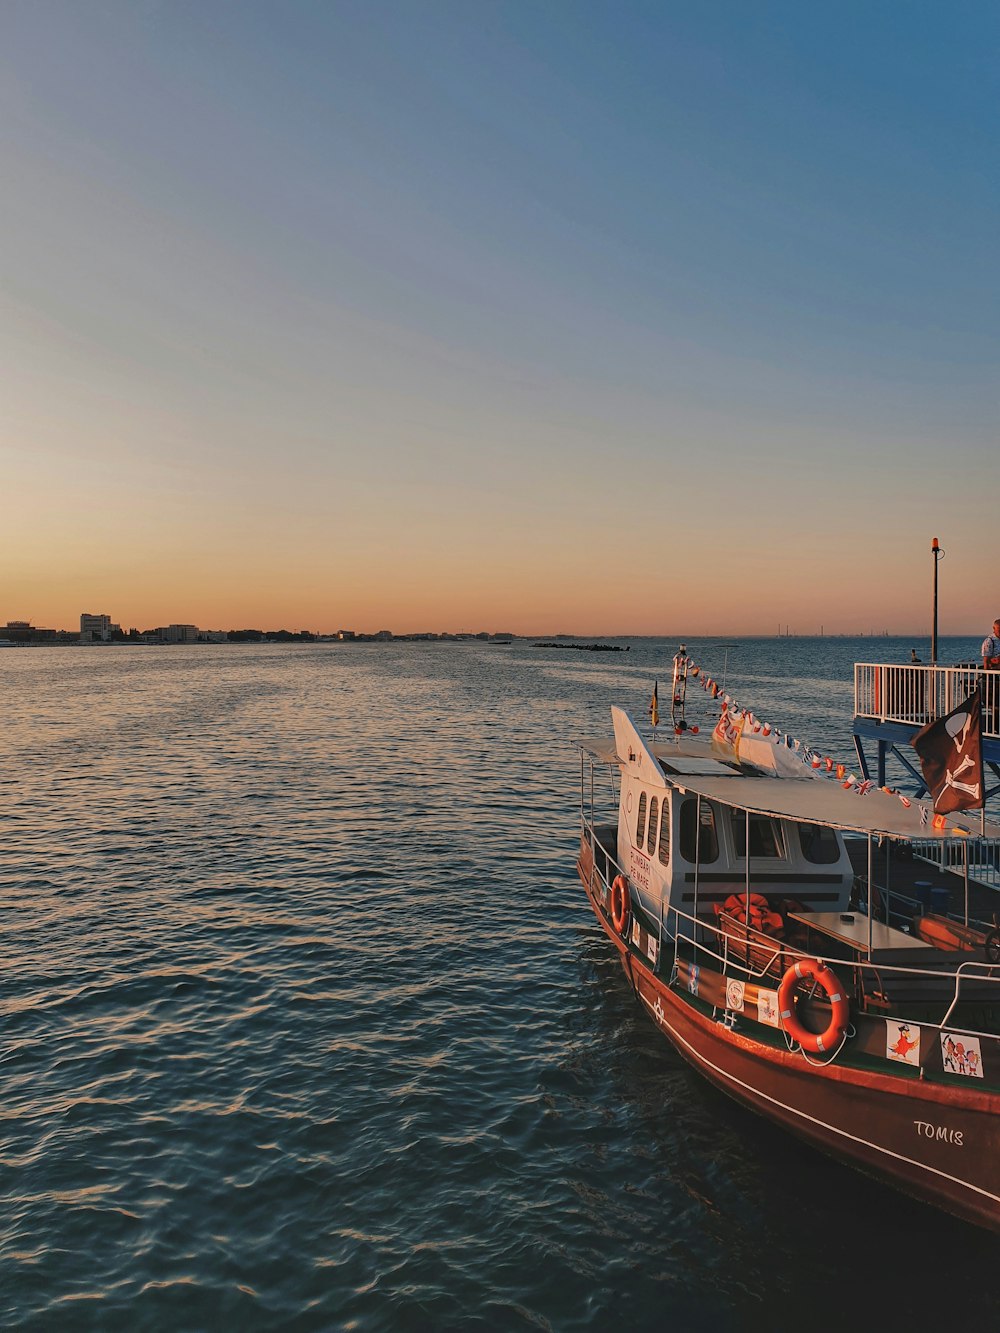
{"x": 698, "y": 843}
{"x": 640, "y": 823}
{"x": 654, "y": 810}
{"x": 765, "y": 836}
{"x": 820, "y": 844}
{"x": 664, "y": 849}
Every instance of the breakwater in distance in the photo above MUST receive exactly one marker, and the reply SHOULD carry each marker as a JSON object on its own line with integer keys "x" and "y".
{"x": 307, "y": 1025}
{"x": 588, "y": 647}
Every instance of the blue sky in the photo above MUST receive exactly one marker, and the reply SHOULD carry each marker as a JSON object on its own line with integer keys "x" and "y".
{"x": 562, "y": 317}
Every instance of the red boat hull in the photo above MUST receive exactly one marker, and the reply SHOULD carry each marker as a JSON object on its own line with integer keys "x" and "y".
{"x": 939, "y": 1143}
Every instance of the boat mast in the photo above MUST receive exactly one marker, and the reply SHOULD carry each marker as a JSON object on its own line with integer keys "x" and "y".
{"x": 678, "y": 694}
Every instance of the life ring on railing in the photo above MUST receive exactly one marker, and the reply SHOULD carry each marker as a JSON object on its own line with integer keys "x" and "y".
{"x": 619, "y": 904}
{"x": 840, "y": 1008}
{"x": 762, "y": 916}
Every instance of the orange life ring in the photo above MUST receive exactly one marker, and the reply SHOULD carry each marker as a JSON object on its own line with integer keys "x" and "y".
{"x": 619, "y": 904}
{"x": 840, "y": 1009}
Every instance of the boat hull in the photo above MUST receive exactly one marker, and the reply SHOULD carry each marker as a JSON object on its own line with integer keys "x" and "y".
{"x": 939, "y": 1143}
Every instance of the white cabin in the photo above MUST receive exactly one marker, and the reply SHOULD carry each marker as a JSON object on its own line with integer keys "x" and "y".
{"x": 694, "y": 830}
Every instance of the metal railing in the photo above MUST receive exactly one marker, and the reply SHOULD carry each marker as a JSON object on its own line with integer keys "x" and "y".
{"x": 983, "y": 856}
{"x": 917, "y": 694}
{"x": 707, "y": 943}
{"x": 699, "y": 939}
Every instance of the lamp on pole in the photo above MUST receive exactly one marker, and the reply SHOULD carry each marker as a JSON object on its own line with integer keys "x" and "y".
{"x": 936, "y": 554}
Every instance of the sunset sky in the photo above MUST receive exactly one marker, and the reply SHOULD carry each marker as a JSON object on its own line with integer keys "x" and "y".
{"x": 549, "y": 316}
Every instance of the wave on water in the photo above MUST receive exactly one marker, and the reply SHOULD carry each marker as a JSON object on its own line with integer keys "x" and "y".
{"x": 307, "y": 1025}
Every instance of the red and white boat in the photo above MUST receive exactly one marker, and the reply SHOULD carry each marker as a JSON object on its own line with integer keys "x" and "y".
{"x": 772, "y": 920}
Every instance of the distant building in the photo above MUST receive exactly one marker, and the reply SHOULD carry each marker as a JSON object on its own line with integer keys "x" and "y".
{"x": 98, "y": 629}
{"x": 176, "y": 634}
{"x": 345, "y": 634}
{"x": 23, "y": 631}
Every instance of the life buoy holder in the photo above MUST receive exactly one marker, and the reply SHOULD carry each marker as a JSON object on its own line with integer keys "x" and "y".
{"x": 840, "y": 1009}
{"x": 619, "y": 904}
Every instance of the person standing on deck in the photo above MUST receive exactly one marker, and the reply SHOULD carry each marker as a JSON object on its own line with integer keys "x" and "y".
{"x": 991, "y": 689}
{"x": 991, "y": 649}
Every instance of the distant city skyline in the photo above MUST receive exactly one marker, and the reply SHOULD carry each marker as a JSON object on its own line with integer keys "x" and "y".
{"x": 599, "y": 319}
{"x": 181, "y": 631}
{"x": 99, "y": 629}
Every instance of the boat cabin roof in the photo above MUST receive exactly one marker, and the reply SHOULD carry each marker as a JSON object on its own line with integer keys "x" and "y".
{"x": 815, "y": 799}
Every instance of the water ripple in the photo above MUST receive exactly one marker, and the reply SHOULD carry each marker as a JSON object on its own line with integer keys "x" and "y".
{"x": 305, "y": 1025}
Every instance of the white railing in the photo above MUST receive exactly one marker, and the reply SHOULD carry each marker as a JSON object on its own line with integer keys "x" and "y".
{"x": 983, "y": 858}
{"x": 918, "y": 694}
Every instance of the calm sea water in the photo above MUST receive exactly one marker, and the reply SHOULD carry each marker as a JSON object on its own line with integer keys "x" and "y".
{"x": 306, "y": 1023}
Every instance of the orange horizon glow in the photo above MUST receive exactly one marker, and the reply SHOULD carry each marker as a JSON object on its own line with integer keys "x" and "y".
{"x": 376, "y": 348}
{"x": 597, "y": 613}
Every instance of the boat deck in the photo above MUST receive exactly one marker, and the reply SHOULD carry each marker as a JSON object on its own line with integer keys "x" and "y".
{"x": 916, "y": 883}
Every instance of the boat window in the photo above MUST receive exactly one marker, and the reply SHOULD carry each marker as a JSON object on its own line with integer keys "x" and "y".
{"x": 765, "y": 836}
{"x": 698, "y": 844}
{"x": 664, "y": 849}
{"x": 654, "y": 808}
{"x": 819, "y": 844}
{"x": 640, "y": 823}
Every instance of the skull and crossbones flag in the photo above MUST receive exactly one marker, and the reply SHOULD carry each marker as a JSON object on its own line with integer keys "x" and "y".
{"x": 950, "y": 750}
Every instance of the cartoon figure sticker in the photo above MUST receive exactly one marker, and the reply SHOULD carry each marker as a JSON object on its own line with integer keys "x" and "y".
{"x": 693, "y": 978}
{"x": 902, "y": 1042}
{"x": 734, "y": 994}
{"x": 767, "y": 1007}
{"x": 961, "y": 1054}
{"x": 635, "y": 932}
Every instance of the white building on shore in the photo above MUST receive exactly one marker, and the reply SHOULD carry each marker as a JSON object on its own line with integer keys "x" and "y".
{"x": 98, "y": 629}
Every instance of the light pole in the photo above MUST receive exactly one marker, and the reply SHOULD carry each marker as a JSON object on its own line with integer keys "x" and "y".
{"x": 936, "y": 554}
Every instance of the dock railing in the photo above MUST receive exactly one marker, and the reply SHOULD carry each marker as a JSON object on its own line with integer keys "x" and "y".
{"x": 914, "y": 695}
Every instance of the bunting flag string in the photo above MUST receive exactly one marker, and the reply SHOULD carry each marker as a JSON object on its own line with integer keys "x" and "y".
{"x": 736, "y": 722}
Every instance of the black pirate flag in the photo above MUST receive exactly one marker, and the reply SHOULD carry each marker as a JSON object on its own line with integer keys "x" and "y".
{"x": 951, "y": 757}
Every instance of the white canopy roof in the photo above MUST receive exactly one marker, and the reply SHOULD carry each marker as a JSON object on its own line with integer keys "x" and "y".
{"x": 823, "y": 801}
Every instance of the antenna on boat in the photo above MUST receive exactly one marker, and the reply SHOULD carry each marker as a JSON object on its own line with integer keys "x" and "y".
{"x": 725, "y": 661}
{"x": 723, "y": 648}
